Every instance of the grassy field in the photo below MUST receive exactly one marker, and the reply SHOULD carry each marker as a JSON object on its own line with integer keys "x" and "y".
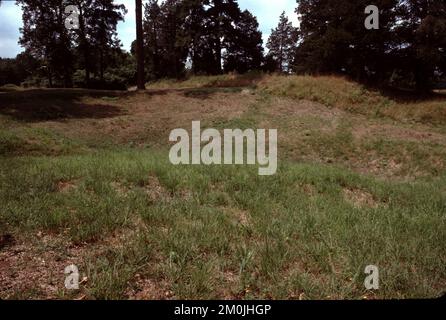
{"x": 85, "y": 179}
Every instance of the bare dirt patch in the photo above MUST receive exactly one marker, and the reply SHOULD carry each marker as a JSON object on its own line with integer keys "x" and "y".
{"x": 66, "y": 186}
{"x": 33, "y": 267}
{"x": 238, "y": 216}
{"x": 151, "y": 186}
{"x": 121, "y": 189}
{"x": 155, "y": 190}
{"x": 36, "y": 271}
{"x": 143, "y": 288}
{"x": 359, "y": 198}
{"x": 148, "y": 118}
{"x": 308, "y": 189}
{"x": 290, "y": 107}
{"x": 420, "y": 133}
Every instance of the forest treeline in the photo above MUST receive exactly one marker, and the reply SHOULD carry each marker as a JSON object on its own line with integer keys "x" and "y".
{"x": 208, "y": 37}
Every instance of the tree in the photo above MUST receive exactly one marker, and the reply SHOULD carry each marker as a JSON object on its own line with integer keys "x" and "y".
{"x": 221, "y": 16}
{"x": 166, "y": 48}
{"x": 422, "y": 44}
{"x": 85, "y": 8}
{"x": 93, "y": 46}
{"x": 96, "y": 37}
{"x": 335, "y": 40}
{"x": 282, "y": 44}
{"x": 408, "y": 49}
{"x": 140, "y": 46}
{"x": 208, "y": 26}
{"x": 194, "y": 36}
{"x": 16, "y": 70}
{"x": 244, "y": 51}
{"x": 103, "y": 22}
{"x": 152, "y": 27}
{"x": 208, "y": 32}
{"x": 174, "y": 48}
{"x": 45, "y": 37}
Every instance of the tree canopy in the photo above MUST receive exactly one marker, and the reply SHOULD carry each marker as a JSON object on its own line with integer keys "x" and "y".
{"x": 408, "y": 49}
{"x": 214, "y": 36}
{"x": 282, "y": 44}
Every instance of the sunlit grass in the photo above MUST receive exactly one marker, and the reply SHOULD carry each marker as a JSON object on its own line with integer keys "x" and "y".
{"x": 210, "y": 232}
{"x": 93, "y": 185}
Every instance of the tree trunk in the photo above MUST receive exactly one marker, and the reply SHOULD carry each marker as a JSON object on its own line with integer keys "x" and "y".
{"x": 422, "y": 81}
{"x": 218, "y": 57}
{"x": 85, "y": 48}
{"x": 101, "y": 64}
{"x": 50, "y": 78}
{"x": 156, "y": 64}
{"x": 218, "y": 48}
{"x": 139, "y": 45}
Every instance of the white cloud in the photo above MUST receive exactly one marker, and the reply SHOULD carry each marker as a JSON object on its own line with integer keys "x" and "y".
{"x": 126, "y": 29}
{"x": 10, "y": 22}
{"x": 268, "y": 12}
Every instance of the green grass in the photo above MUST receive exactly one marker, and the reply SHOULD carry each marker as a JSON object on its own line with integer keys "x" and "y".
{"x": 82, "y": 182}
{"x": 298, "y": 233}
{"x": 26, "y": 140}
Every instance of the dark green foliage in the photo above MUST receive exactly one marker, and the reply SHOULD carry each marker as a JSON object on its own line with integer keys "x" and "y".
{"x": 214, "y": 35}
{"x": 45, "y": 37}
{"x": 15, "y": 71}
{"x": 165, "y": 51}
{"x": 408, "y": 49}
{"x": 94, "y": 47}
{"x": 210, "y": 37}
{"x": 244, "y": 49}
{"x": 282, "y": 45}
{"x": 98, "y": 44}
{"x": 422, "y": 30}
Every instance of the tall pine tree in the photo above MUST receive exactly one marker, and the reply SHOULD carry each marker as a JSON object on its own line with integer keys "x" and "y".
{"x": 335, "y": 40}
{"x": 46, "y": 38}
{"x": 210, "y": 33}
{"x": 104, "y": 37}
{"x": 166, "y": 49}
{"x": 221, "y": 16}
{"x": 244, "y": 51}
{"x": 94, "y": 45}
{"x": 421, "y": 41}
{"x": 282, "y": 44}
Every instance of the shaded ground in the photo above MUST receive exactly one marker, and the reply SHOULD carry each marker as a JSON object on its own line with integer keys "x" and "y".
{"x": 46, "y": 104}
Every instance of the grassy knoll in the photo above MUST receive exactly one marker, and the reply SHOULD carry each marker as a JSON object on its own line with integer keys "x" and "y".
{"x": 85, "y": 179}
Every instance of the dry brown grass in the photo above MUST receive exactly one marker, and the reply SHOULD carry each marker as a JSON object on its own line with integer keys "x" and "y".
{"x": 341, "y": 93}
{"x": 147, "y": 118}
{"x": 359, "y": 198}
{"x": 308, "y": 130}
{"x": 33, "y": 266}
{"x": 231, "y": 80}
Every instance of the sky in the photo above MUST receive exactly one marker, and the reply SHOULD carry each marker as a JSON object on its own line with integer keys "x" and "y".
{"x": 266, "y": 11}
